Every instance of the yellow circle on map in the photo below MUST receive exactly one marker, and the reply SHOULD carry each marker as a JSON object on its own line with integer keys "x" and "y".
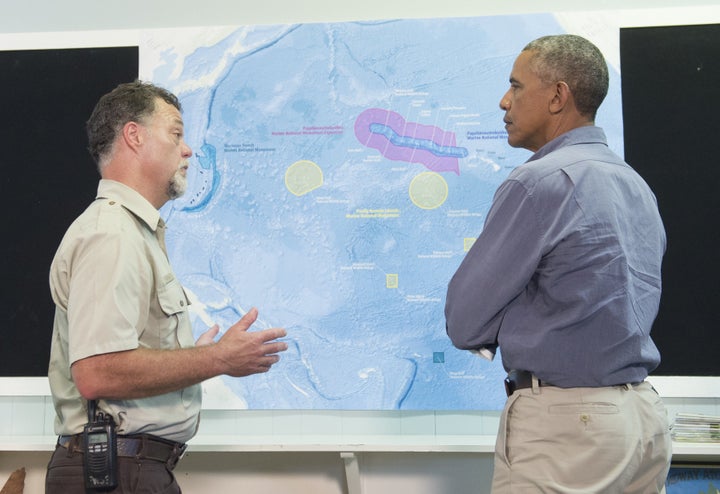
{"x": 428, "y": 190}
{"x": 302, "y": 177}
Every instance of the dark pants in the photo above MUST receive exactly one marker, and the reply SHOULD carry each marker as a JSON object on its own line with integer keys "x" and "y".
{"x": 136, "y": 476}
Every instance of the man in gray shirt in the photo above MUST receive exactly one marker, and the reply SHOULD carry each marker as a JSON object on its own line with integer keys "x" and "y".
{"x": 565, "y": 280}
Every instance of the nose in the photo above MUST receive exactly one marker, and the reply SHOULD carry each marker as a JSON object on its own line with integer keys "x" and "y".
{"x": 505, "y": 102}
{"x": 186, "y": 151}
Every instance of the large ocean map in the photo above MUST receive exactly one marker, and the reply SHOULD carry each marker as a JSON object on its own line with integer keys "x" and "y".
{"x": 341, "y": 171}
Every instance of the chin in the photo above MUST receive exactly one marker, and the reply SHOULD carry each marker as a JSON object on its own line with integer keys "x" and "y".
{"x": 516, "y": 143}
{"x": 177, "y": 185}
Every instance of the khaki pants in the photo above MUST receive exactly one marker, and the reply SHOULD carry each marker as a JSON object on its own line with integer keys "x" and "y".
{"x": 583, "y": 440}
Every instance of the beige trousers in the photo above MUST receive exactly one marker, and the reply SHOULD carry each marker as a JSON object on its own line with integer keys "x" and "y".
{"x": 583, "y": 440}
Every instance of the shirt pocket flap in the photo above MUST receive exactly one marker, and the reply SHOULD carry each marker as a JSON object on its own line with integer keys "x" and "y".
{"x": 171, "y": 296}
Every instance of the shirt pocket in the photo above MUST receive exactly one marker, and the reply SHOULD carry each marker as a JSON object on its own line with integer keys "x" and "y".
{"x": 171, "y": 296}
{"x": 172, "y": 324}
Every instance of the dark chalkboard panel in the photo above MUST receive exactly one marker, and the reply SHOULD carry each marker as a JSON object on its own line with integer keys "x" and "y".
{"x": 671, "y": 117}
{"x": 47, "y": 179}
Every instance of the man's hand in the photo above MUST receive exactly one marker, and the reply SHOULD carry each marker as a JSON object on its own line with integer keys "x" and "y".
{"x": 243, "y": 352}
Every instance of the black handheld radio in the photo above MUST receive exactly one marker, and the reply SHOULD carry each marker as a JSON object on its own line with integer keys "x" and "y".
{"x": 100, "y": 448}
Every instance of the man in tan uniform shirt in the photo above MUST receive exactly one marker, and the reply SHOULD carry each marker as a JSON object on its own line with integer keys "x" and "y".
{"x": 122, "y": 334}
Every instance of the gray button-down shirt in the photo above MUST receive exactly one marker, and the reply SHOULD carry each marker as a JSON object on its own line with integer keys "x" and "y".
{"x": 565, "y": 276}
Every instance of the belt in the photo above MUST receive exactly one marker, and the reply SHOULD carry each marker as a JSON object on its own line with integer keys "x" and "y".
{"x": 141, "y": 446}
{"x": 520, "y": 379}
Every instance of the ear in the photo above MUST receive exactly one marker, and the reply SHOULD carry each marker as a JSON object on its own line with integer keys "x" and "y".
{"x": 561, "y": 97}
{"x": 132, "y": 135}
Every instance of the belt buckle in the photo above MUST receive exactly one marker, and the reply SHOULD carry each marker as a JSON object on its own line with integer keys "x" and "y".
{"x": 176, "y": 455}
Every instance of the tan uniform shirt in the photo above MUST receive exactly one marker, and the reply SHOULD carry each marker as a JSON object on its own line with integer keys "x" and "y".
{"x": 114, "y": 290}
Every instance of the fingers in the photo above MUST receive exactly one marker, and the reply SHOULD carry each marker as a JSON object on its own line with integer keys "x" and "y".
{"x": 275, "y": 347}
{"x": 208, "y": 336}
{"x": 250, "y": 352}
{"x": 272, "y": 334}
{"x": 247, "y": 320}
{"x": 266, "y": 354}
{"x": 268, "y": 362}
{"x": 266, "y": 334}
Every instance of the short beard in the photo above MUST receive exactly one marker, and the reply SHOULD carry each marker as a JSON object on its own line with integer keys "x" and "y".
{"x": 177, "y": 185}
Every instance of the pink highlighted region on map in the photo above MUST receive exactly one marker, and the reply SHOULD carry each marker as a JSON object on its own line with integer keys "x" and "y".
{"x": 398, "y": 140}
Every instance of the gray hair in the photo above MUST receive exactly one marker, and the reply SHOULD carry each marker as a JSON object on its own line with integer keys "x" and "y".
{"x": 128, "y": 102}
{"x": 577, "y": 62}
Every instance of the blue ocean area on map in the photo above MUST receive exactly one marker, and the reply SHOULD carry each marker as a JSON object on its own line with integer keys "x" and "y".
{"x": 348, "y": 242}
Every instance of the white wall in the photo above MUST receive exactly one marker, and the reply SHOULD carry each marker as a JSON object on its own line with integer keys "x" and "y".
{"x": 57, "y": 15}
{"x": 27, "y": 420}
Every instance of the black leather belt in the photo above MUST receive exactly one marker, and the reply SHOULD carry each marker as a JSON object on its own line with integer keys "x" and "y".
{"x": 141, "y": 446}
{"x": 519, "y": 379}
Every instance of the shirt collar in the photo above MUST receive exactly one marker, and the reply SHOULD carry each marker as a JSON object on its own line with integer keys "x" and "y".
{"x": 589, "y": 134}
{"x": 131, "y": 200}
